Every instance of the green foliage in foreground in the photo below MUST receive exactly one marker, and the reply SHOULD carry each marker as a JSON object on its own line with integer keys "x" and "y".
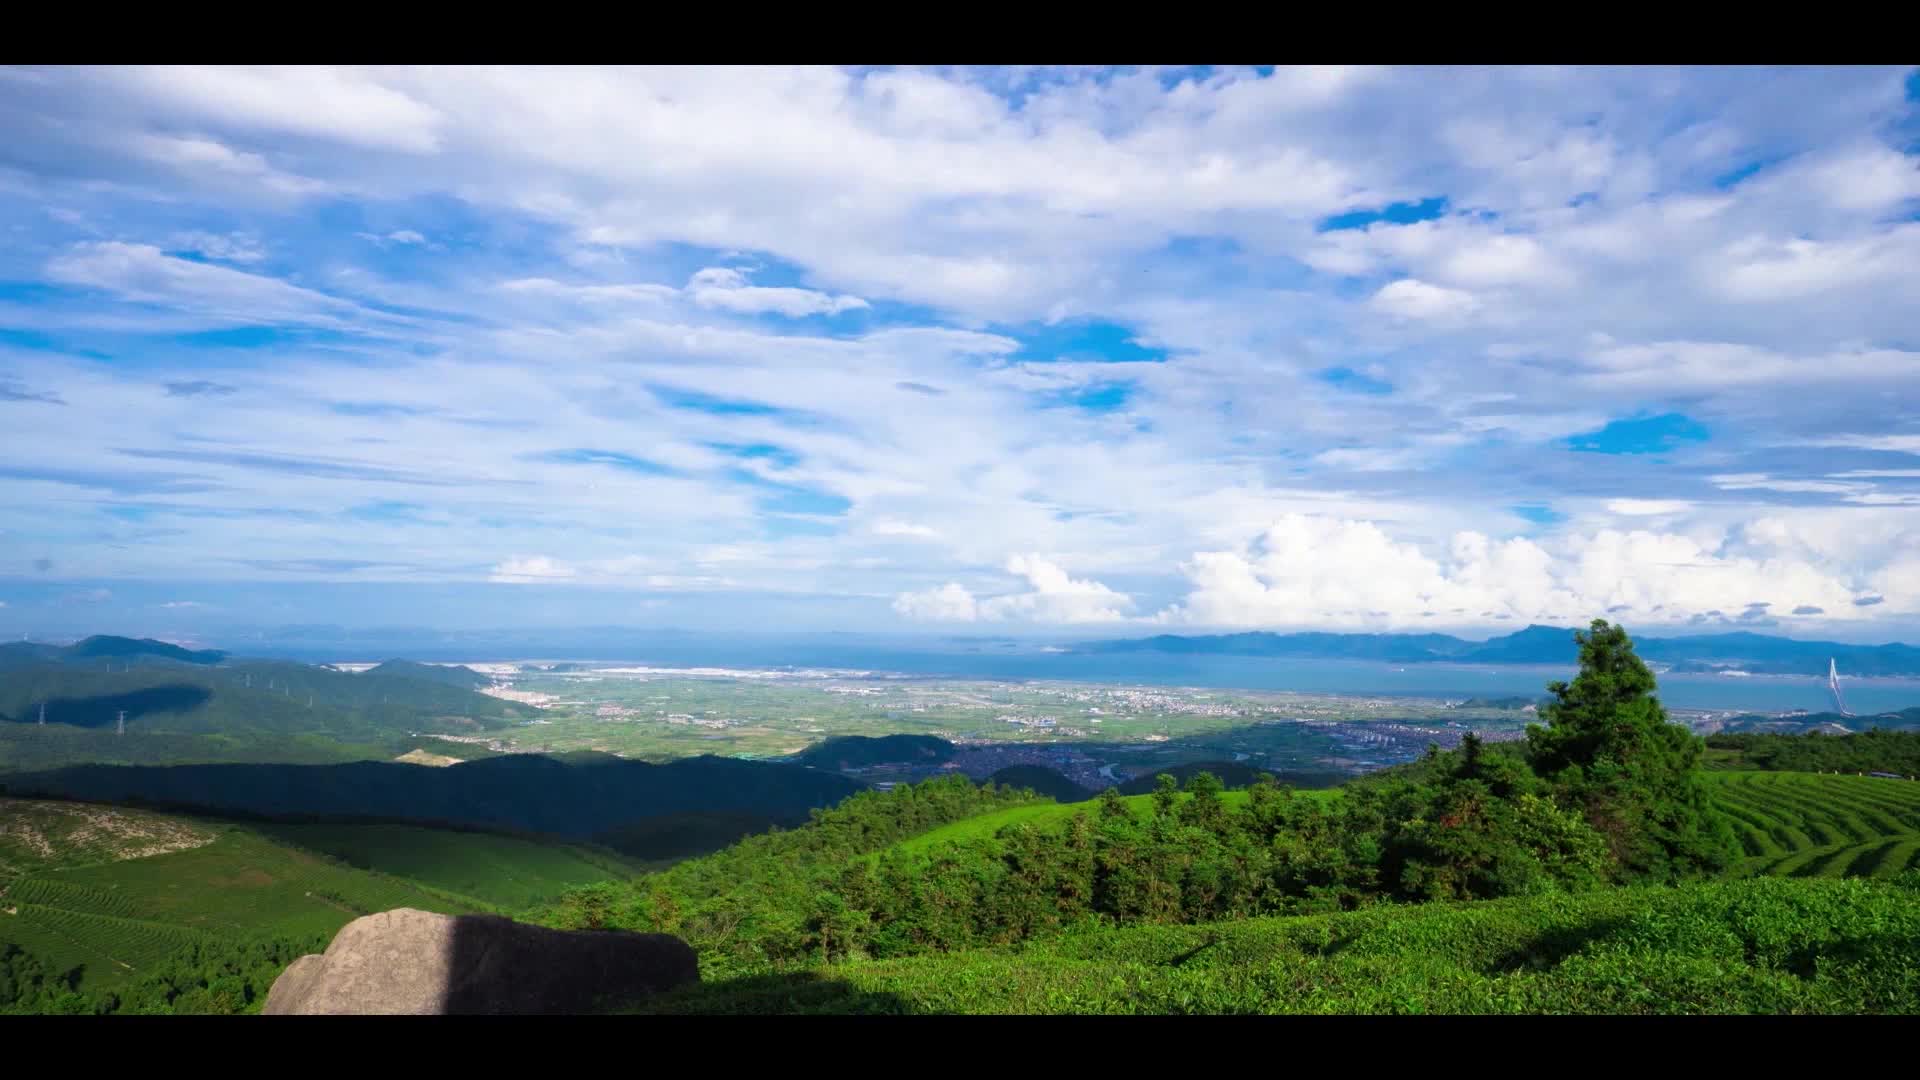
{"x": 215, "y": 976}
{"x": 1765, "y": 946}
{"x": 1869, "y": 751}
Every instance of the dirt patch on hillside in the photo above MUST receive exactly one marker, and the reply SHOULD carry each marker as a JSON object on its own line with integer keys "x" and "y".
{"x": 38, "y": 831}
{"x": 423, "y": 757}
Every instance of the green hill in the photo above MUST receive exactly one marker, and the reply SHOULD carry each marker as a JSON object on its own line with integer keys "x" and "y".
{"x": 580, "y": 797}
{"x": 843, "y": 752}
{"x": 258, "y": 711}
{"x": 112, "y": 897}
{"x": 1041, "y": 781}
{"x": 444, "y": 674}
{"x": 1231, "y": 773}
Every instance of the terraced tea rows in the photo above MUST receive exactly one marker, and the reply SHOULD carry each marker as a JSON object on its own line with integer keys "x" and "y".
{"x": 1807, "y": 825}
{"x": 103, "y": 946}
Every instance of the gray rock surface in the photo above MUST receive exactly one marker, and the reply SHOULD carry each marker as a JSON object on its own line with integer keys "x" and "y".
{"x": 416, "y": 962}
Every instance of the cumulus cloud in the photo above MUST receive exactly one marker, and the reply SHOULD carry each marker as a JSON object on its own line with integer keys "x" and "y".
{"x": 524, "y": 569}
{"x": 1411, "y": 299}
{"x": 948, "y": 603}
{"x": 1052, "y": 597}
{"x": 1308, "y": 570}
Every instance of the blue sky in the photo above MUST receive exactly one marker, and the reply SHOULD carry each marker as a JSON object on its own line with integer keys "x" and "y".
{"x": 1035, "y": 351}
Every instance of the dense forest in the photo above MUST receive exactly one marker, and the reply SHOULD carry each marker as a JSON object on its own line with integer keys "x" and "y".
{"x": 220, "y": 977}
{"x": 1865, "y": 752}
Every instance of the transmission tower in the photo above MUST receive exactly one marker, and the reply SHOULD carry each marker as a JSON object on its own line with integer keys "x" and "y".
{"x": 121, "y": 727}
{"x": 43, "y": 714}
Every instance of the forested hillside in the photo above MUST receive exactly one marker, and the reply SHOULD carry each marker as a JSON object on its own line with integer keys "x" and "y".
{"x": 57, "y": 710}
{"x": 1864, "y": 752}
{"x": 581, "y": 796}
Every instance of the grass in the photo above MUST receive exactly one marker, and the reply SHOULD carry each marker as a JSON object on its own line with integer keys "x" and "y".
{"x": 1809, "y": 825}
{"x": 1766, "y": 946}
{"x": 503, "y": 871}
{"x": 114, "y": 891}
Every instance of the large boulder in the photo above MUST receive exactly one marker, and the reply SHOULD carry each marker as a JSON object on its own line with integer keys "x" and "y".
{"x": 417, "y": 962}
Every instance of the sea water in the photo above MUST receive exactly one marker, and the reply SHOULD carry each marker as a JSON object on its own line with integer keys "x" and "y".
{"x": 1005, "y": 659}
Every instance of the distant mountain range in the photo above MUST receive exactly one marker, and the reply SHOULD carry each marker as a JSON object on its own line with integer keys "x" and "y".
{"x": 102, "y": 649}
{"x": 1756, "y": 653}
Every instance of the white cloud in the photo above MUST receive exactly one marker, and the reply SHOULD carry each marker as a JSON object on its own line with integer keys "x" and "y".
{"x": 1412, "y": 299}
{"x": 1317, "y": 571}
{"x": 890, "y": 527}
{"x": 531, "y": 568}
{"x": 1763, "y": 482}
{"x": 948, "y": 603}
{"x": 598, "y": 294}
{"x": 1647, "y": 507}
{"x": 404, "y": 237}
{"x": 144, "y": 274}
{"x": 233, "y": 247}
{"x": 1902, "y": 444}
{"x": 1053, "y": 597}
{"x": 1762, "y": 270}
{"x": 324, "y": 102}
{"x": 727, "y": 288}
{"x": 205, "y": 156}
{"x": 1369, "y": 459}
{"x": 183, "y": 604}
